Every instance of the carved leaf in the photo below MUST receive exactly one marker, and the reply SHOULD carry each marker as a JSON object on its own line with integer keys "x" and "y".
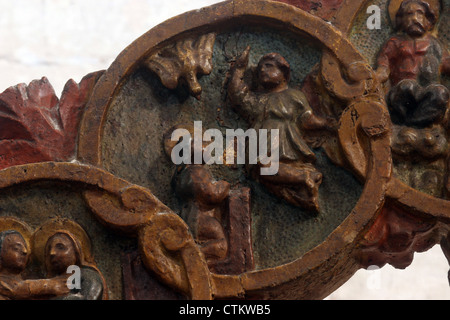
{"x": 36, "y": 126}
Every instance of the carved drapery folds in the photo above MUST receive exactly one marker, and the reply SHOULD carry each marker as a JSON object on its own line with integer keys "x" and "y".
{"x": 224, "y": 230}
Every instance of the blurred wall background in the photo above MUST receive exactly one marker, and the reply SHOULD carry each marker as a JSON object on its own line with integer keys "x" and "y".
{"x": 63, "y": 39}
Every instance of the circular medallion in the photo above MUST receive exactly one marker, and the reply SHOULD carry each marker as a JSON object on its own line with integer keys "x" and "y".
{"x": 185, "y": 71}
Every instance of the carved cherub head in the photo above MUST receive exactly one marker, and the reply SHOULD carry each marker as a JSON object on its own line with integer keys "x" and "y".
{"x": 415, "y": 18}
{"x": 14, "y": 252}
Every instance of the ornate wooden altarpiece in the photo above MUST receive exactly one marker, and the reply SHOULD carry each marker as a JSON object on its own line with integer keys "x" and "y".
{"x": 363, "y": 179}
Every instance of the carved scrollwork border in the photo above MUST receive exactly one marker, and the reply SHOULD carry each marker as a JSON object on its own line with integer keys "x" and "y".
{"x": 133, "y": 211}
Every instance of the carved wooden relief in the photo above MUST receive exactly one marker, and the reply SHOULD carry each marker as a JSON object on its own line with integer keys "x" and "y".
{"x": 53, "y": 247}
{"x": 415, "y": 217}
{"x": 348, "y": 166}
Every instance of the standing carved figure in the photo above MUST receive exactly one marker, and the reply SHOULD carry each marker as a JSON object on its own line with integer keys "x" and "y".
{"x": 411, "y": 64}
{"x": 412, "y": 61}
{"x": 277, "y": 106}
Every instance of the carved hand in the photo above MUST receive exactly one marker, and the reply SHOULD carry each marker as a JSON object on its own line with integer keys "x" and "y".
{"x": 58, "y": 286}
{"x": 382, "y": 74}
{"x": 237, "y": 86}
{"x": 331, "y": 124}
{"x": 242, "y": 61}
{"x": 314, "y": 122}
{"x": 6, "y": 288}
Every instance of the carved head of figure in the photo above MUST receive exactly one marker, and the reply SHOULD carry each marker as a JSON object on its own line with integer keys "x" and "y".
{"x": 274, "y": 72}
{"x": 61, "y": 251}
{"x": 14, "y": 253}
{"x": 415, "y": 18}
{"x": 61, "y": 243}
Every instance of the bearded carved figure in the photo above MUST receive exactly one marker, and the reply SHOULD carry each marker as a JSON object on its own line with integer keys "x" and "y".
{"x": 411, "y": 64}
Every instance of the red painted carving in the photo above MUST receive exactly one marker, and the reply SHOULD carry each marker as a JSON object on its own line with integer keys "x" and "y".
{"x": 395, "y": 237}
{"x": 324, "y": 8}
{"x": 36, "y": 126}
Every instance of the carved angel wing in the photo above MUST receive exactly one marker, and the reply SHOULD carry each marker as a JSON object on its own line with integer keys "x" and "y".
{"x": 183, "y": 61}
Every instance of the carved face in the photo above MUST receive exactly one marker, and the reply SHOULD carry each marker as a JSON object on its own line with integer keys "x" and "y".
{"x": 270, "y": 75}
{"x": 414, "y": 21}
{"x": 60, "y": 254}
{"x": 14, "y": 254}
